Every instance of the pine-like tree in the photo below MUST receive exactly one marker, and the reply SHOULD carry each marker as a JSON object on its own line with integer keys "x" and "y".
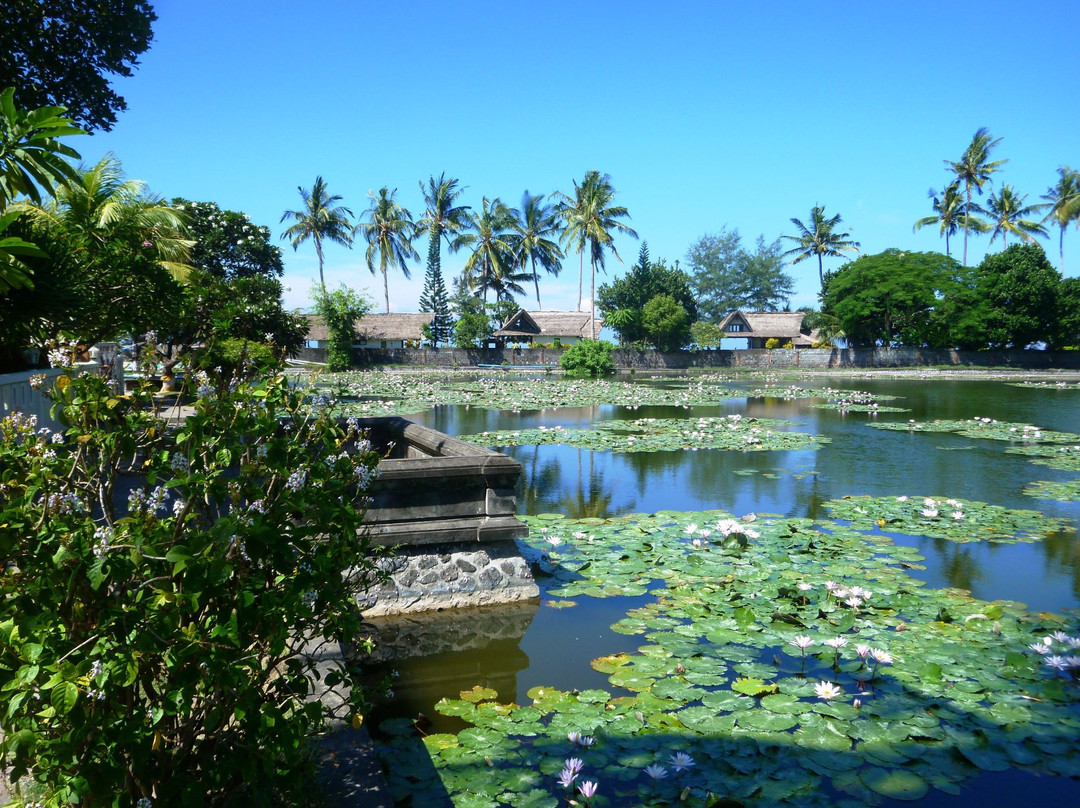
{"x": 434, "y": 299}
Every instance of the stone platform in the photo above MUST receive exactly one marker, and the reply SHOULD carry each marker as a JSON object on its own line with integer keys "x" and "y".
{"x": 448, "y": 511}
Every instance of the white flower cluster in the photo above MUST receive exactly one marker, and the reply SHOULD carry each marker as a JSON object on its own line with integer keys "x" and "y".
{"x": 64, "y": 504}
{"x": 140, "y": 503}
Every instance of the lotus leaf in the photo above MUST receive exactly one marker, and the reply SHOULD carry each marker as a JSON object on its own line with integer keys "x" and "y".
{"x": 750, "y": 686}
{"x": 897, "y": 784}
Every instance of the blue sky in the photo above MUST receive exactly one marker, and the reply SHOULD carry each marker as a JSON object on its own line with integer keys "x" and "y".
{"x": 705, "y": 114}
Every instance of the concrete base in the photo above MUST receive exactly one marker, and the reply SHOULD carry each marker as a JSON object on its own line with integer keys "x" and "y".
{"x": 446, "y": 576}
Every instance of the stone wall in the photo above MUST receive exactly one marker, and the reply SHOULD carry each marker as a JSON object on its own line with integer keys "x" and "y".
{"x": 446, "y": 576}
{"x": 780, "y": 358}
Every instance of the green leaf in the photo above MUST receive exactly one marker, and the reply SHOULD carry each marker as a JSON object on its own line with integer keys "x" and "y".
{"x": 64, "y": 697}
{"x": 896, "y": 784}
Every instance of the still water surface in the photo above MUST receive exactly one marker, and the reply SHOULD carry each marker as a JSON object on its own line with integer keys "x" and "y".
{"x": 553, "y": 647}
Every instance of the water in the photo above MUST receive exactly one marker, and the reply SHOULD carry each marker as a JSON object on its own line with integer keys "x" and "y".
{"x": 555, "y": 646}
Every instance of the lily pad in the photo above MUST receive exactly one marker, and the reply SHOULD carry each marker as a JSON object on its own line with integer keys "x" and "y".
{"x": 896, "y": 784}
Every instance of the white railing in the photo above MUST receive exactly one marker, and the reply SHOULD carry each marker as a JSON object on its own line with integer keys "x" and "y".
{"x": 16, "y": 394}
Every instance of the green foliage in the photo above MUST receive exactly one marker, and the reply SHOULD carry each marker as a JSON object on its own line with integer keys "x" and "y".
{"x": 434, "y": 299}
{"x": 340, "y": 309}
{"x": 1067, "y": 331}
{"x": 771, "y": 343}
{"x": 226, "y": 244}
{"x": 1020, "y": 289}
{"x": 893, "y": 297}
{"x": 706, "y": 336}
{"x": 590, "y": 357}
{"x": 666, "y": 322}
{"x": 32, "y": 160}
{"x": 64, "y": 52}
{"x": 726, "y": 277}
{"x": 622, "y": 302}
{"x": 443, "y": 217}
{"x": 155, "y": 619}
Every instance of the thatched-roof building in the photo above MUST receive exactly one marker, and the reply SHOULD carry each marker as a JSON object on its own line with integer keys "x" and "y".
{"x": 376, "y": 330}
{"x": 760, "y": 326}
{"x": 547, "y": 327}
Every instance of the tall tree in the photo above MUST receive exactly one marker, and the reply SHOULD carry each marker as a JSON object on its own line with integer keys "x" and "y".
{"x": 819, "y": 237}
{"x": 535, "y": 225}
{"x": 974, "y": 169}
{"x": 726, "y": 276}
{"x": 226, "y": 244}
{"x": 951, "y": 214}
{"x": 491, "y": 264}
{"x": 892, "y": 298}
{"x": 1064, "y": 205}
{"x": 321, "y": 219}
{"x": 389, "y": 230}
{"x": 590, "y": 218}
{"x": 64, "y": 52}
{"x": 1020, "y": 288}
{"x": 443, "y": 218}
{"x": 1008, "y": 211}
{"x": 623, "y": 301}
{"x": 114, "y": 253}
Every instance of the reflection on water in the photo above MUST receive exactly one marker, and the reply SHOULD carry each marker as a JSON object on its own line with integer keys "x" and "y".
{"x": 426, "y": 656}
{"x": 859, "y": 460}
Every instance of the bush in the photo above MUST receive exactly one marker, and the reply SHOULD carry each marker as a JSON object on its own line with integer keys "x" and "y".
{"x": 340, "y": 309}
{"x": 160, "y": 588}
{"x": 590, "y": 357}
{"x": 771, "y": 343}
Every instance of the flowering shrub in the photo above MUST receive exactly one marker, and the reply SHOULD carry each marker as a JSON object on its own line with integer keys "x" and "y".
{"x": 159, "y": 587}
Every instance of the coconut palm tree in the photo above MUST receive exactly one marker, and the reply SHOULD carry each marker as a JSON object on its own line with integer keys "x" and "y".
{"x": 491, "y": 265}
{"x": 590, "y": 218}
{"x": 1063, "y": 201}
{"x": 949, "y": 207}
{"x": 100, "y": 206}
{"x": 973, "y": 169}
{"x": 534, "y": 224}
{"x": 321, "y": 219}
{"x": 819, "y": 238}
{"x": 389, "y": 230}
{"x": 1008, "y": 211}
{"x": 443, "y": 217}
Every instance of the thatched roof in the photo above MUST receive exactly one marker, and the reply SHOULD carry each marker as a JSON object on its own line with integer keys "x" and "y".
{"x": 540, "y": 324}
{"x": 375, "y": 327}
{"x": 765, "y": 324}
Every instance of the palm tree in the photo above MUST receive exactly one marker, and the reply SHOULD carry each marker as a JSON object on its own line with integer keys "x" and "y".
{"x": 321, "y": 219}
{"x": 590, "y": 218}
{"x": 389, "y": 230}
{"x": 1008, "y": 210}
{"x": 1064, "y": 202}
{"x": 533, "y": 224}
{"x": 950, "y": 209}
{"x": 443, "y": 217}
{"x": 818, "y": 238}
{"x": 101, "y": 206}
{"x": 974, "y": 169}
{"x": 491, "y": 264}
